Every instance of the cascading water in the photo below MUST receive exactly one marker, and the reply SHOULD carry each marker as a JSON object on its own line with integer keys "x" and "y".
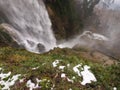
{"x": 32, "y": 26}
{"x": 84, "y": 39}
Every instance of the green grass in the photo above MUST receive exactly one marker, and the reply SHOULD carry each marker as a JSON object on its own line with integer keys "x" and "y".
{"x": 21, "y": 62}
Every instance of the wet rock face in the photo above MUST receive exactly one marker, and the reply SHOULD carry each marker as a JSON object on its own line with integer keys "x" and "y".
{"x": 41, "y": 48}
{"x": 5, "y": 38}
{"x": 91, "y": 40}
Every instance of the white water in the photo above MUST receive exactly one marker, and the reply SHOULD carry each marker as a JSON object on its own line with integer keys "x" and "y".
{"x": 86, "y": 38}
{"x": 31, "y": 24}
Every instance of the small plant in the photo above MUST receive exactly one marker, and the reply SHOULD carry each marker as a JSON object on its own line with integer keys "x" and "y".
{"x": 46, "y": 84}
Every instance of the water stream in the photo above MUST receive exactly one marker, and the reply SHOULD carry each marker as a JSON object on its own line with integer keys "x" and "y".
{"x": 31, "y": 24}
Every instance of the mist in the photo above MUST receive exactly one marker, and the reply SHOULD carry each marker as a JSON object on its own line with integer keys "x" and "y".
{"x": 106, "y": 36}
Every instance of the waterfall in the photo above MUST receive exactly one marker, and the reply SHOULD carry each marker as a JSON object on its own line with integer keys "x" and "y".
{"x": 30, "y": 23}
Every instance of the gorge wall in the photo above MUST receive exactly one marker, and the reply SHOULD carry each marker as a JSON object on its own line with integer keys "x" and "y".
{"x": 68, "y": 19}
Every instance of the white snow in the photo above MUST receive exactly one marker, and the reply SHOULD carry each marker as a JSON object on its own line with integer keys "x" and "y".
{"x": 38, "y": 80}
{"x": 70, "y": 80}
{"x": 83, "y": 72}
{"x": 5, "y": 75}
{"x": 88, "y": 77}
{"x": 22, "y": 80}
{"x": 32, "y": 85}
{"x": 63, "y": 75}
{"x": 55, "y": 63}
{"x": 9, "y": 82}
{"x": 61, "y": 68}
{"x": 114, "y": 88}
{"x": 35, "y": 68}
{"x": 76, "y": 70}
{"x": 80, "y": 70}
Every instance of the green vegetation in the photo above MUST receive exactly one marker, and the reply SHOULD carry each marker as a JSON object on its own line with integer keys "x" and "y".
{"x": 65, "y": 18}
{"x": 20, "y": 61}
{"x": 69, "y": 17}
{"x": 67, "y": 21}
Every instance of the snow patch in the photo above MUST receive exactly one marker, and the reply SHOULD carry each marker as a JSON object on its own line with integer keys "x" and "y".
{"x": 80, "y": 69}
{"x": 4, "y": 75}
{"x": 35, "y": 68}
{"x": 22, "y": 80}
{"x": 114, "y": 88}
{"x": 61, "y": 68}
{"x": 6, "y": 81}
{"x": 76, "y": 70}
{"x": 63, "y": 75}
{"x": 55, "y": 63}
{"x": 32, "y": 85}
{"x": 88, "y": 77}
{"x": 86, "y": 74}
{"x": 10, "y": 82}
{"x": 70, "y": 80}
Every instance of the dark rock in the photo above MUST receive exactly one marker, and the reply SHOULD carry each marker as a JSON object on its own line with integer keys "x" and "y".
{"x": 41, "y": 47}
{"x": 5, "y": 37}
{"x": 31, "y": 43}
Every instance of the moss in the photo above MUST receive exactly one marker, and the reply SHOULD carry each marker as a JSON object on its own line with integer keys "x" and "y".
{"x": 6, "y": 39}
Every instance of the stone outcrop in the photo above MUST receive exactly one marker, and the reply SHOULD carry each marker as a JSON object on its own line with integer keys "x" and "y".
{"x": 5, "y": 36}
